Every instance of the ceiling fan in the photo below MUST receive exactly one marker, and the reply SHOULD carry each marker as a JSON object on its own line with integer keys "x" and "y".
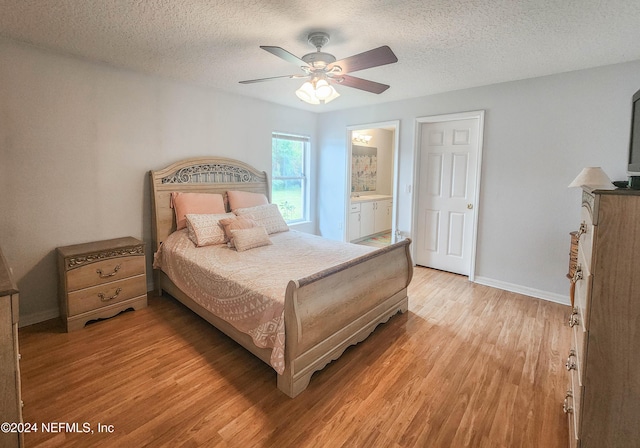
{"x": 322, "y": 70}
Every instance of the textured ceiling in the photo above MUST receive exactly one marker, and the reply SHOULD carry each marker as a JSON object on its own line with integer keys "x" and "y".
{"x": 441, "y": 45}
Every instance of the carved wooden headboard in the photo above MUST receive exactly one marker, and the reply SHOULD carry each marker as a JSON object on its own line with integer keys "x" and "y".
{"x": 198, "y": 175}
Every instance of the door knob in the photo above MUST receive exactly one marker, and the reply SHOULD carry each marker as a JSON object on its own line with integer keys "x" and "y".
{"x": 469, "y": 206}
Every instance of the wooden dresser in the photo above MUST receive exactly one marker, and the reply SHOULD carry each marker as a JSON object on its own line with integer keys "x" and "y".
{"x": 10, "y": 397}
{"x": 603, "y": 396}
{"x": 101, "y": 279}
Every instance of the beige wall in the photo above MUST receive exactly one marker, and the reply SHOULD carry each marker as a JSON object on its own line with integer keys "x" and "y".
{"x": 77, "y": 140}
{"x": 383, "y": 141}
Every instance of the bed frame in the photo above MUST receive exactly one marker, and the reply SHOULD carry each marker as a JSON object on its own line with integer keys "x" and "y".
{"x": 324, "y": 313}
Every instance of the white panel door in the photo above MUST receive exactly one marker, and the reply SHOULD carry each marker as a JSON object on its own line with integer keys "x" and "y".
{"x": 446, "y": 190}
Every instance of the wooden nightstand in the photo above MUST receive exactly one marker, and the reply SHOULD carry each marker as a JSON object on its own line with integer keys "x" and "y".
{"x": 101, "y": 279}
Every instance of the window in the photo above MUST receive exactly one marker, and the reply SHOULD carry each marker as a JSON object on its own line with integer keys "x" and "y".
{"x": 289, "y": 166}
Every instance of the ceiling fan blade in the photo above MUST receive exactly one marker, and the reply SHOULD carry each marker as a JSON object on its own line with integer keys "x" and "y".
{"x": 359, "y": 83}
{"x": 372, "y": 58}
{"x": 251, "y": 81}
{"x": 284, "y": 54}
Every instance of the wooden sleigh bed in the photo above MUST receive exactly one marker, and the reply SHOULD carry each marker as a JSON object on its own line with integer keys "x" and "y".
{"x": 324, "y": 313}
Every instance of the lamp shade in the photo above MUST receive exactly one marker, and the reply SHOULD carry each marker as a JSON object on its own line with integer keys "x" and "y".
{"x": 332, "y": 95}
{"x": 323, "y": 90}
{"x": 593, "y": 177}
{"x": 317, "y": 92}
{"x": 306, "y": 93}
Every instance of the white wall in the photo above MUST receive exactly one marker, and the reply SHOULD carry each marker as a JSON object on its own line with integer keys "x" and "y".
{"x": 539, "y": 133}
{"x": 77, "y": 140}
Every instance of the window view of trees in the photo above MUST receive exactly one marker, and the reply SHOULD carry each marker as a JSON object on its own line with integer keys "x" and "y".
{"x": 288, "y": 176}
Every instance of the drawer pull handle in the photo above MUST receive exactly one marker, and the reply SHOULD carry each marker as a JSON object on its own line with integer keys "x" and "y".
{"x": 115, "y": 270}
{"x": 574, "y": 319}
{"x": 578, "y": 274}
{"x": 566, "y": 407}
{"x": 571, "y": 364}
{"x": 569, "y": 394}
{"x": 582, "y": 230}
{"x": 106, "y": 299}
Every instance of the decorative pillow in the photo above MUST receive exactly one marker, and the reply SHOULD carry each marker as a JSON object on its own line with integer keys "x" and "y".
{"x": 245, "y": 239}
{"x": 267, "y": 215}
{"x": 195, "y": 203}
{"x": 236, "y": 223}
{"x": 244, "y": 199}
{"x": 205, "y": 230}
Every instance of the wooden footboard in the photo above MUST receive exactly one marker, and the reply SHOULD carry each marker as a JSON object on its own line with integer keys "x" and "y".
{"x": 327, "y": 312}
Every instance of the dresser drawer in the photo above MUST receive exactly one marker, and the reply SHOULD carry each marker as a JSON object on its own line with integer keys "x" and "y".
{"x": 579, "y": 337}
{"x": 105, "y": 271}
{"x": 572, "y": 403}
{"x": 107, "y": 294}
{"x": 355, "y": 208}
{"x": 586, "y": 238}
{"x": 10, "y": 389}
{"x": 583, "y": 294}
{"x": 577, "y": 402}
{"x": 573, "y": 442}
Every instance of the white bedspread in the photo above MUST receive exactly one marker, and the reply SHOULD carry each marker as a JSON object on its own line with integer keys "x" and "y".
{"x": 247, "y": 289}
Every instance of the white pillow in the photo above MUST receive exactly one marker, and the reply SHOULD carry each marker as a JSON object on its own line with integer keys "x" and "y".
{"x": 267, "y": 215}
{"x": 245, "y": 239}
{"x": 206, "y": 230}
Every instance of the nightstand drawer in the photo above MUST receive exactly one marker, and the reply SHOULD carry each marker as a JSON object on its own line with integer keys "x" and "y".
{"x": 105, "y": 271}
{"x": 107, "y": 294}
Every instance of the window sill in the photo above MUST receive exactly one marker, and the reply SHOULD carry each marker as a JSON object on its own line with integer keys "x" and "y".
{"x": 299, "y": 223}
{"x": 304, "y": 226}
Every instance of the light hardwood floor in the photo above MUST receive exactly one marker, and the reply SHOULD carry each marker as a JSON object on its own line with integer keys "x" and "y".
{"x": 468, "y": 365}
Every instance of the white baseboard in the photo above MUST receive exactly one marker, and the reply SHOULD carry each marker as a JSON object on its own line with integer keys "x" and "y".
{"x": 38, "y": 317}
{"x": 538, "y": 294}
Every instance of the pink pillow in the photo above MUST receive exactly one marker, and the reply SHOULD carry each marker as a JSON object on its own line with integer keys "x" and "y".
{"x": 244, "y": 199}
{"x": 195, "y": 204}
{"x": 236, "y": 223}
{"x": 251, "y": 238}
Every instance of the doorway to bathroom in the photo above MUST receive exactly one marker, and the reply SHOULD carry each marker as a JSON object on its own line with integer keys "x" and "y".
{"x": 371, "y": 187}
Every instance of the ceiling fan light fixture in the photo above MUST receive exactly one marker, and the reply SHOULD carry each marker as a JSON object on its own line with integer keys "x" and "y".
{"x": 323, "y": 70}
{"x": 323, "y": 89}
{"x": 317, "y": 92}
{"x": 307, "y": 94}
{"x": 332, "y": 96}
